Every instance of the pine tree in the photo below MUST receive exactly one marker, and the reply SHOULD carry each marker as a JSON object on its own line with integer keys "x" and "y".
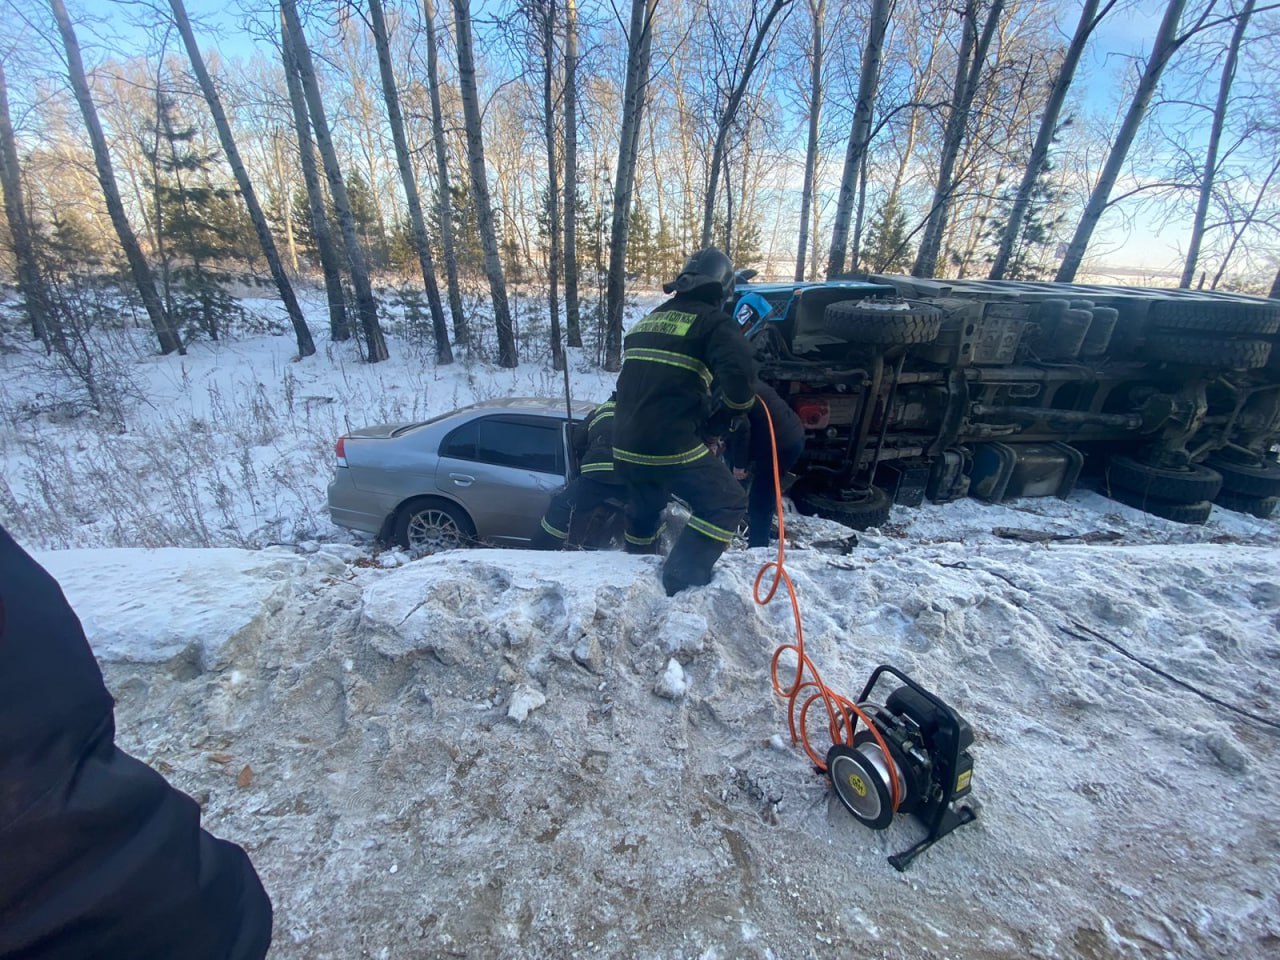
{"x": 886, "y": 248}
{"x": 641, "y": 248}
{"x": 1036, "y": 240}
{"x": 369, "y": 226}
{"x": 196, "y": 227}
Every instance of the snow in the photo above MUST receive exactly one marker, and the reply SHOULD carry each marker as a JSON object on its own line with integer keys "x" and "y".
{"x": 497, "y": 753}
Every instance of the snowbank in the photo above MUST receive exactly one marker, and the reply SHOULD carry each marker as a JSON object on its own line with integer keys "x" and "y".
{"x": 478, "y": 754}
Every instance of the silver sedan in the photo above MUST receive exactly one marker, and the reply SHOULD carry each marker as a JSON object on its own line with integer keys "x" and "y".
{"x": 482, "y": 473}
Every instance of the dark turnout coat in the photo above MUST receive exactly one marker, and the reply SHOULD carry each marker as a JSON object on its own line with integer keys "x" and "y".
{"x": 593, "y": 440}
{"x": 670, "y": 360}
{"x": 99, "y": 856}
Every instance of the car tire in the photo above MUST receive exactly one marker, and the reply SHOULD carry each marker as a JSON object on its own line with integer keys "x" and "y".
{"x": 1260, "y": 507}
{"x": 1190, "y": 485}
{"x": 1206, "y": 352}
{"x": 1209, "y": 316}
{"x": 1193, "y": 513}
{"x": 882, "y": 322}
{"x": 858, "y": 509}
{"x": 426, "y": 525}
{"x": 1259, "y": 479}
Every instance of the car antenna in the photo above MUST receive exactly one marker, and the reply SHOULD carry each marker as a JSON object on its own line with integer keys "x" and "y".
{"x": 568, "y": 400}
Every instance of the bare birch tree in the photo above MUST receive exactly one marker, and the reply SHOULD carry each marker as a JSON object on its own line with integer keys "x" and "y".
{"x": 421, "y": 242}
{"x": 138, "y": 267}
{"x": 545, "y": 12}
{"x": 572, "y": 309}
{"x": 639, "y": 50}
{"x": 1090, "y": 17}
{"x": 818, "y": 15}
{"x": 306, "y": 346}
{"x": 366, "y": 305}
{"x": 480, "y": 184}
{"x": 444, "y": 198}
{"x": 1215, "y": 139}
{"x": 740, "y": 73}
{"x": 1167, "y": 42}
{"x": 969, "y": 65}
{"x": 330, "y": 261}
{"x": 35, "y": 298}
{"x": 859, "y": 136}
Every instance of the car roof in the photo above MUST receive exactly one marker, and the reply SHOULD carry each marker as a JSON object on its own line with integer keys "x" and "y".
{"x": 537, "y": 405}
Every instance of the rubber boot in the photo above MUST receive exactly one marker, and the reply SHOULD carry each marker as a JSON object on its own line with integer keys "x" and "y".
{"x": 542, "y": 540}
{"x": 690, "y": 562}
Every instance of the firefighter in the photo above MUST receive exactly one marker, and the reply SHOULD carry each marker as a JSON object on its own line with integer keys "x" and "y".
{"x": 671, "y": 359}
{"x": 569, "y": 513}
{"x": 99, "y": 856}
{"x": 751, "y": 453}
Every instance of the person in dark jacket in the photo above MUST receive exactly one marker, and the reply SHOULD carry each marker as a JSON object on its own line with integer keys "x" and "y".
{"x": 671, "y": 360}
{"x": 99, "y": 856}
{"x": 569, "y": 513}
{"x": 751, "y": 453}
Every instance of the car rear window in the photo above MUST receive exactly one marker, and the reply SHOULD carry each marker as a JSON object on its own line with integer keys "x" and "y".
{"x": 525, "y": 444}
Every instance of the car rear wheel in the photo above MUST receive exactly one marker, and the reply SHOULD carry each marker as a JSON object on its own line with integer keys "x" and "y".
{"x": 428, "y": 526}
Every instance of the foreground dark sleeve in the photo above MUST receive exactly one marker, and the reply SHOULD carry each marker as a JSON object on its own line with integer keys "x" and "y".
{"x": 99, "y": 856}
{"x": 729, "y": 360}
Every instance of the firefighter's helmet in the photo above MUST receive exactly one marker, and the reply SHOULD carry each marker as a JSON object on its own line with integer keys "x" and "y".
{"x": 706, "y": 268}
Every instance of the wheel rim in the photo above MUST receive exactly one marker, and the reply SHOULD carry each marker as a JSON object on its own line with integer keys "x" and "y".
{"x": 431, "y": 530}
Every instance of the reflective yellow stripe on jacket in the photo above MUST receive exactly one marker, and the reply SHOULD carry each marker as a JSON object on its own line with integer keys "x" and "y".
{"x": 667, "y": 460}
{"x": 672, "y": 359}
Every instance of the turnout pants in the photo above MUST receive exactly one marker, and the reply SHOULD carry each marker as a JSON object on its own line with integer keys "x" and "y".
{"x": 715, "y": 500}
{"x": 761, "y": 497}
{"x": 565, "y": 521}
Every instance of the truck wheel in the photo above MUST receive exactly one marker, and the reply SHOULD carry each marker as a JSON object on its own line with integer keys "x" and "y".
{"x": 882, "y": 322}
{"x": 1191, "y": 485}
{"x": 858, "y": 509}
{"x": 1260, "y": 507}
{"x": 1196, "y": 513}
{"x": 1209, "y": 316}
{"x": 1205, "y": 352}
{"x": 1260, "y": 479}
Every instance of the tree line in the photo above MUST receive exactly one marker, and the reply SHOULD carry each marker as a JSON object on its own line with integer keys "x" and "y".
{"x": 581, "y": 147}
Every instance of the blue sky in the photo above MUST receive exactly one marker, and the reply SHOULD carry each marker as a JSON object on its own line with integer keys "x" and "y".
{"x": 1125, "y": 33}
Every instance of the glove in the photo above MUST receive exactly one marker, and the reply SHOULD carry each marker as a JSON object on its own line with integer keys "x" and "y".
{"x": 724, "y": 422}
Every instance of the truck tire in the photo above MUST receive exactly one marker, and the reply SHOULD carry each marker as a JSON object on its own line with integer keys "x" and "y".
{"x": 859, "y": 510}
{"x": 1060, "y": 329}
{"x": 1260, "y": 479}
{"x": 1195, "y": 513}
{"x": 1206, "y": 352}
{"x": 1101, "y": 329}
{"x": 1197, "y": 482}
{"x": 883, "y": 322}
{"x": 1260, "y": 507}
{"x": 1216, "y": 316}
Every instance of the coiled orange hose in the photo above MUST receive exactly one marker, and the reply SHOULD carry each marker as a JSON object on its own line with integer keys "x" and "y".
{"x": 842, "y": 713}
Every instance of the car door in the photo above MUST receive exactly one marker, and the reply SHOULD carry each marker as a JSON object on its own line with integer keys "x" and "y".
{"x": 503, "y": 469}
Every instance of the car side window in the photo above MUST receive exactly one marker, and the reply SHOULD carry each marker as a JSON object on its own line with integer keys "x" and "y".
{"x": 461, "y": 443}
{"x": 523, "y": 444}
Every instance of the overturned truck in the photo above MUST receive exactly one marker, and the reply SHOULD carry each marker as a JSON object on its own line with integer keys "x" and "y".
{"x": 1166, "y": 400}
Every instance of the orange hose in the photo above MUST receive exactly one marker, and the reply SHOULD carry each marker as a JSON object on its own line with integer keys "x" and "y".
{"x": 842, "y": 713}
